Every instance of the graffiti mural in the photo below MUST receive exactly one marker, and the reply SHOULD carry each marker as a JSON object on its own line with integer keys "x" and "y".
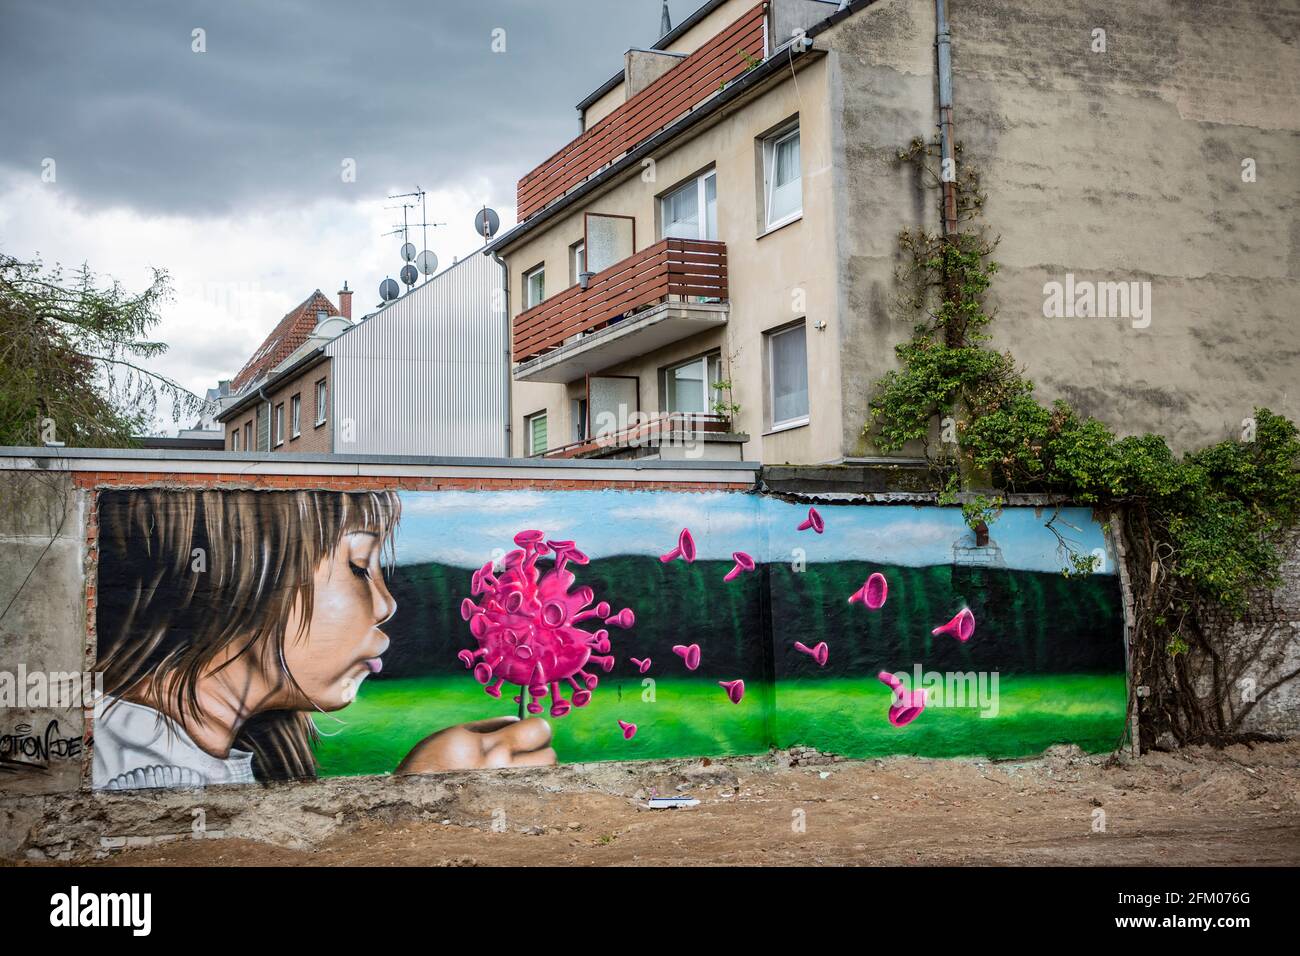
{"x": 266, "y": 635}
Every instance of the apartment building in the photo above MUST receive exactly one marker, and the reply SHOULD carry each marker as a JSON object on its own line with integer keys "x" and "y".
{"x": 424, "y": 374}
{"x": 730, "y": 213}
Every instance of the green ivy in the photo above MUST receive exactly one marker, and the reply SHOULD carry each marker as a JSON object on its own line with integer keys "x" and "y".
{"x": 1201, "y": 529}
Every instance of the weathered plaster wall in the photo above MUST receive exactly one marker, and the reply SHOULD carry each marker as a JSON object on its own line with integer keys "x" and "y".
{"x": 42, "y": 624}
{"x": 1117, "y": 166}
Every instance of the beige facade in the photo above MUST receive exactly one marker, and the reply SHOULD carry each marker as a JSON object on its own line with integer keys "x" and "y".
{"x": 1126, "y": 165}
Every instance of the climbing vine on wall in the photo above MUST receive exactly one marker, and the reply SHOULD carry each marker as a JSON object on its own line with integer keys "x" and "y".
{"x": 1199, "y": 534}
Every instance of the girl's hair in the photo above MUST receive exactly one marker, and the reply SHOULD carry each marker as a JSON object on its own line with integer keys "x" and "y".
{"x": 163, "y": 616}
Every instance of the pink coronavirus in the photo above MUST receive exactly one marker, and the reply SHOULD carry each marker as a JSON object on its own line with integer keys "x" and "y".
{"x": 525, "y": 622}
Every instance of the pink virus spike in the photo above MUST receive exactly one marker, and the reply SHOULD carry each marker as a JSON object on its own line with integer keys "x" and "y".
{"x": 641, "y": 666}
{"x": 873, "y": 593}
{"x": 527, "y": 622}
{"x": 907, "y": 705}
{"x": 601, "y": 610}
{"x": 961, "y": 627}
{"x": 685, "y": 548}
{"x": 624, "y": 619}
{"x": 629, "y": 730}
{"x": 814, "y": 521}
{"x": 559, "y": 706}
{"x": 735, "y": 690}
{"x": 691, "y": 655}
{"x": 821, "y": 653}
{"x": 744, "y": 563}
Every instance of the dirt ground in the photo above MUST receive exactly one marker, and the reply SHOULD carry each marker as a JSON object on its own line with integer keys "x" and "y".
{"x": 1237, "y": 806}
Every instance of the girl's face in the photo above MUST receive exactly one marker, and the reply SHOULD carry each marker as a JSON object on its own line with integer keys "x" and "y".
{"x": 343, "y": 643}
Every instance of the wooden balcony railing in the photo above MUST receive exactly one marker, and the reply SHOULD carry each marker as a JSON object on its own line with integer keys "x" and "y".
{"x": 681, "y": 267}
{"x": 650, "y": 429}
{"x": 672, "y": 95}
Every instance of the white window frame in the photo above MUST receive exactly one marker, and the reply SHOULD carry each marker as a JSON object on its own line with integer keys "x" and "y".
{"x": 577, "y": 260}
{"x": 322, "y": 400}
{"x": 528, "y": 286}
{"x": 769, "y": 178}
{"x": 710, "y": 393}
{"x": 701, "y": 206}
{"x": 771, "y": 338}
{"x": 249, "y": 438}
{"x": 295, "y": 416}
{"x": 234, "y": 439}
{"x": 580, "y": 419}
{"x": 529, "y": 423}
{"x": 277, "y": 425}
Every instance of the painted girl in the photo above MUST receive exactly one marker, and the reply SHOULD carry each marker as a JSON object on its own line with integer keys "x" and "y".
{"x": 226, "y": 618}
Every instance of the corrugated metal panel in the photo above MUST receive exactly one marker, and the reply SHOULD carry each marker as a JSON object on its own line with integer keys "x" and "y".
{"x": 428, "y": 374}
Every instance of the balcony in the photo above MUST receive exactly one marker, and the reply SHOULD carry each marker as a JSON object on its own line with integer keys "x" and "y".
{"x": 672, "y": 290}
{"x": 675, "y": 435}
{"x": 701, "y": 75}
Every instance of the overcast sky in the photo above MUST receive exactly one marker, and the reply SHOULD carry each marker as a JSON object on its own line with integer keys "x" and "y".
{"x": 225, "y": 167}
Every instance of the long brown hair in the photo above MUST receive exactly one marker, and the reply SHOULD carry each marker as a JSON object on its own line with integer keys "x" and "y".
{"x": 161, "y": 620}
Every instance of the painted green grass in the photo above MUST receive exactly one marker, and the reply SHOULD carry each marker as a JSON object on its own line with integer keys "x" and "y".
{"x": 693, "y": 718}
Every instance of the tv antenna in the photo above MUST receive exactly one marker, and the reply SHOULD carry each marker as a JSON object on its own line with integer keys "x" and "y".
{"x": 425, "y": 261}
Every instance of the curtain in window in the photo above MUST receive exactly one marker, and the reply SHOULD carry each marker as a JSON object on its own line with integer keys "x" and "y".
{"x": 681, "y": 212}
{"x": 787, "y": 185}
{"x": 789, "y": 376}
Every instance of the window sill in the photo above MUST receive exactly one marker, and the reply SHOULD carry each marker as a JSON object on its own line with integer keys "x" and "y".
{"x": 319, "y": 424}
{"x": 778, "y": 226}
{"x": 787, "y": 426}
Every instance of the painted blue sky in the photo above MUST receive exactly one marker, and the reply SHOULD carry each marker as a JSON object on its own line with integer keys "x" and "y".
{"x": 467, "y": 528}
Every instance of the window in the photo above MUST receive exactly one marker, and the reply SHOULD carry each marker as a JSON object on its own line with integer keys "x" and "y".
{"x": 535, "y": 428}
{"x": 689, "y": 387}
{"x": 248, "y": 436}
{"x": 322, "y": 396}
{"x": 782, "y": 179}
{"x": 279, "y": 424}
{"x": 295, "y": 416}
{"x": 691, "y": 211}
{"x": 234, "y": 440}
{"x": 787, "y": 374}
{"x": 534, "y": 287}
{"x": 577, "y": 261}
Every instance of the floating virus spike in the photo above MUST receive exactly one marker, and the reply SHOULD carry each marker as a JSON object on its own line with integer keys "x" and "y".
{"x": 525, "y": 622}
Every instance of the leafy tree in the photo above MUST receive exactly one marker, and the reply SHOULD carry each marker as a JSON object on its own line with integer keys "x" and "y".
{"x": 73, "y": 354}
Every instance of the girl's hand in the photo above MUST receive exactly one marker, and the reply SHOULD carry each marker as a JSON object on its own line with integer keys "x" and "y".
{"x": 483, "y": 744}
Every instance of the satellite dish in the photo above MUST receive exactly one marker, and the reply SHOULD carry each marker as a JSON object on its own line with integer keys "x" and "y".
{"x": 408, "y": 251}
{"x": 427, "y": 262}
{"x": 408, "y": 274}
{"x": 486, "y": 222}
{"x": 389, "y": 290}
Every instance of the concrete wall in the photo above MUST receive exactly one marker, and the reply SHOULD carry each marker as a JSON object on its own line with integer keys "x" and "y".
{"x": 43, "y": 625}
{"x": 1115, "y": 166}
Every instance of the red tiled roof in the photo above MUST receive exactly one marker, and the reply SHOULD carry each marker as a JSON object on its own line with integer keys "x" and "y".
{"x": 291, "y": 332}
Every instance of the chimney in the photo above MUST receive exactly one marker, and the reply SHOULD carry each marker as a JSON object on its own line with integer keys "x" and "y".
{"x": 665, "y": 22}
{"x": 345, "y": 302}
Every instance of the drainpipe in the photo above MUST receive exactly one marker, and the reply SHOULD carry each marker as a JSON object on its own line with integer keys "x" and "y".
{"x": 505, "y": 272}
{"x": 270, "y": 425}
{"x": 943, "y": 43}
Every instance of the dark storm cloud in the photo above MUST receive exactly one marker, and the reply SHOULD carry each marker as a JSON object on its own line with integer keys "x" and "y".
{"x": 111, "y": 90}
